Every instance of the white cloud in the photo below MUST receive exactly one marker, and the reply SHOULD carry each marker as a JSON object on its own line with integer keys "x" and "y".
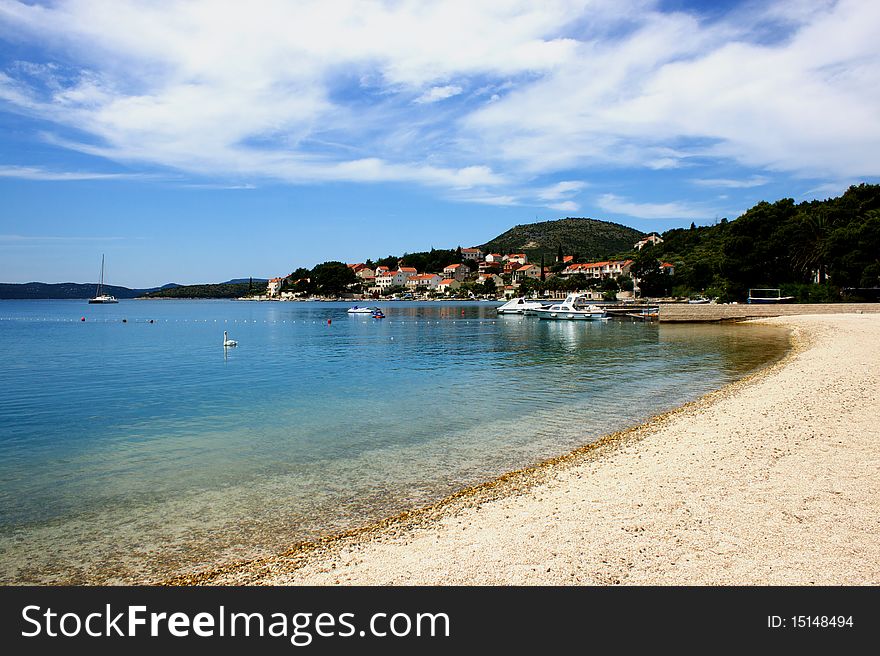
{"x": 37, "y": 173}
{"x": 565, "y": 206}
{"x": 727, "y": 183}
{"x": 675, "y": 210}
{"x": 314, "y": 91}
{"x": 438, "y": 93}
{"x": 561, "y": 189}
{"x": 25, "y": 239}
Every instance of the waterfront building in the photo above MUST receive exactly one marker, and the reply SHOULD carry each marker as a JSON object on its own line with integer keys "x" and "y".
{"x": 274, "y": 287}
{"x": 429, "y": 280}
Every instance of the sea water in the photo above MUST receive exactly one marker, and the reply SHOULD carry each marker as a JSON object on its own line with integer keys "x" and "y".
{"x": 134, "y": 446}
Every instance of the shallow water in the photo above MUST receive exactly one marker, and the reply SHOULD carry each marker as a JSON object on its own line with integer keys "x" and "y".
{"x": 132, "y": 451}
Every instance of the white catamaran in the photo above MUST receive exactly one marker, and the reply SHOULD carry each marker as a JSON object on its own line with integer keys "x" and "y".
{"x": 99, "y": 297}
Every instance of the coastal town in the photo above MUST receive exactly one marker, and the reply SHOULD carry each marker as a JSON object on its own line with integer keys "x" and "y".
{"x": 479, "y": 275}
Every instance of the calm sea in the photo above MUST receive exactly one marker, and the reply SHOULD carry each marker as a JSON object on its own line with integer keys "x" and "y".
{"x": 134, "y": 450}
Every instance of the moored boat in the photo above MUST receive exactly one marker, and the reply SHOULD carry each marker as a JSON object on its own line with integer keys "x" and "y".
{"x": 519, "y": 305}
{"x": 99, "y": 297}
{"x": 573, "y": 308}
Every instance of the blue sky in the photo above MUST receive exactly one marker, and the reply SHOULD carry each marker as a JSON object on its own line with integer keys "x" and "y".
{"x": 204, "y": 140}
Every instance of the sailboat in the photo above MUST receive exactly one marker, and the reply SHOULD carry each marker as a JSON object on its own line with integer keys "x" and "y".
{"x": 99, "y": 297}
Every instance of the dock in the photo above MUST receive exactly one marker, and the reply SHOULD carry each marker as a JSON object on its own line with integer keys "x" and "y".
{"x": 717, "y": 312}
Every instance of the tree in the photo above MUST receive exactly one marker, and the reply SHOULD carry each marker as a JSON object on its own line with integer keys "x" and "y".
{"x": 332, "y": 278}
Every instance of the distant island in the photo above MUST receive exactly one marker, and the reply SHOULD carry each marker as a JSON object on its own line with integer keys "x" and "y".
{"x": 68, "y": 290}
{"x": 74, "y": 290}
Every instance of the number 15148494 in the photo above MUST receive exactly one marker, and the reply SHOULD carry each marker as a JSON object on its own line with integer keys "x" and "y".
{"x": 810, "y": 622}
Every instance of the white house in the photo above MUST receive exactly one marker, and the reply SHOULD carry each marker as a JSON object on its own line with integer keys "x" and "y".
{"x": 516, "y": 257}
{"x": 650, "y": 239}
{"x": 474, "y": 254}
{"x": 429, "y": 280}
{"x": 391, "y": 279}
{"x": 274, "y": 287}
{"x": 494, "y": 257}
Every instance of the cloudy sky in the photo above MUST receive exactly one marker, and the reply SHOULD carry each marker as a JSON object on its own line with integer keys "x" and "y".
{"x": 202, "y": 140}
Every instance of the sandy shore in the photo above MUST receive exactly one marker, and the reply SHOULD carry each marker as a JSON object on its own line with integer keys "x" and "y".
{"x": 773, "y": 480}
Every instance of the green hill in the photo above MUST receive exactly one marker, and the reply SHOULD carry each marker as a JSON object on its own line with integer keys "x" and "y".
{"x": 589, "y": 239}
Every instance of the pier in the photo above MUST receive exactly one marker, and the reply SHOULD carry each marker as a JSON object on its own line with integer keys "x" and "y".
{"x": 690, "y": 312}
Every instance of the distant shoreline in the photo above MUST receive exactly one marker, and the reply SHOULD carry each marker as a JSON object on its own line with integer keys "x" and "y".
{"x": 766, "y": 481}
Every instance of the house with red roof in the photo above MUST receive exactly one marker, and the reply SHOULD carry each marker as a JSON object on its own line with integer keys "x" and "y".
{"x": 274, "y": 287}
{"x": 520, "y": 258}
{"x": 457, "y": 271}
{"x": 526, "y": 271}
{"x": 448, "y": 285}
{"x": 429, "y": 280}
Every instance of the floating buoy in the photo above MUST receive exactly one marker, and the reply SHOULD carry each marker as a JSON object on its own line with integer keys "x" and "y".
{"x": 82, "y": 318}
{"x": 151, "y": 321}
{"x": 125, "y": 321}
{"x": 329, "y": 321}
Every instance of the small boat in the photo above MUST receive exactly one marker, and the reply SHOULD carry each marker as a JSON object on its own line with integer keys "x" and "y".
{"x": 768, "y": 296}
{"x": 362, "y": 310}
{"x": 519, "y": 305}
{"x": 573, "y": 308}
{"x": 378, "y": 314}
{"x": 99, "y": 297}
{"x": 700, "y": 300}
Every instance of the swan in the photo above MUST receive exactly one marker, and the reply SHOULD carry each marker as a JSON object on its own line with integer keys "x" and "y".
{"x": 227, "y": 341}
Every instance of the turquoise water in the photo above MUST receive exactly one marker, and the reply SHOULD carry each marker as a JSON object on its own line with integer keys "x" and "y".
{"x": 133, "y": 450}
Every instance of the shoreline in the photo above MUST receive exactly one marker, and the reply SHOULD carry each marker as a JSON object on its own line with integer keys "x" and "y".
{"x": 450, "y": 541}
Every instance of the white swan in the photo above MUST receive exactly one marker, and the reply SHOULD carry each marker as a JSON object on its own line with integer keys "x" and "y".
{"x": 227, "y": 341}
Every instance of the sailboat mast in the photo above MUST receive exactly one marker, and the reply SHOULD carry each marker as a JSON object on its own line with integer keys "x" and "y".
{"x": 101, "y": 283}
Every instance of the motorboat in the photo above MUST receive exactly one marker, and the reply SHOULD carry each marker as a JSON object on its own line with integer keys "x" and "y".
{"x": 377, "y": 314}
{"x": 99, "y": 297}
{"x": 362, "y": 310}
{"x": 575, "y": 307}
{"x": 519, "y": 305}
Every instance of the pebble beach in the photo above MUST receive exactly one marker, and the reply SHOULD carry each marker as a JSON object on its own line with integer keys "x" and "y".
{"x": 772, "y": 480}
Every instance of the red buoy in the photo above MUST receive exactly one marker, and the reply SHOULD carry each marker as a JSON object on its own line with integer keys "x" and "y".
{"x": 82, "y": 318}
{"x": 329, "y": 321}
